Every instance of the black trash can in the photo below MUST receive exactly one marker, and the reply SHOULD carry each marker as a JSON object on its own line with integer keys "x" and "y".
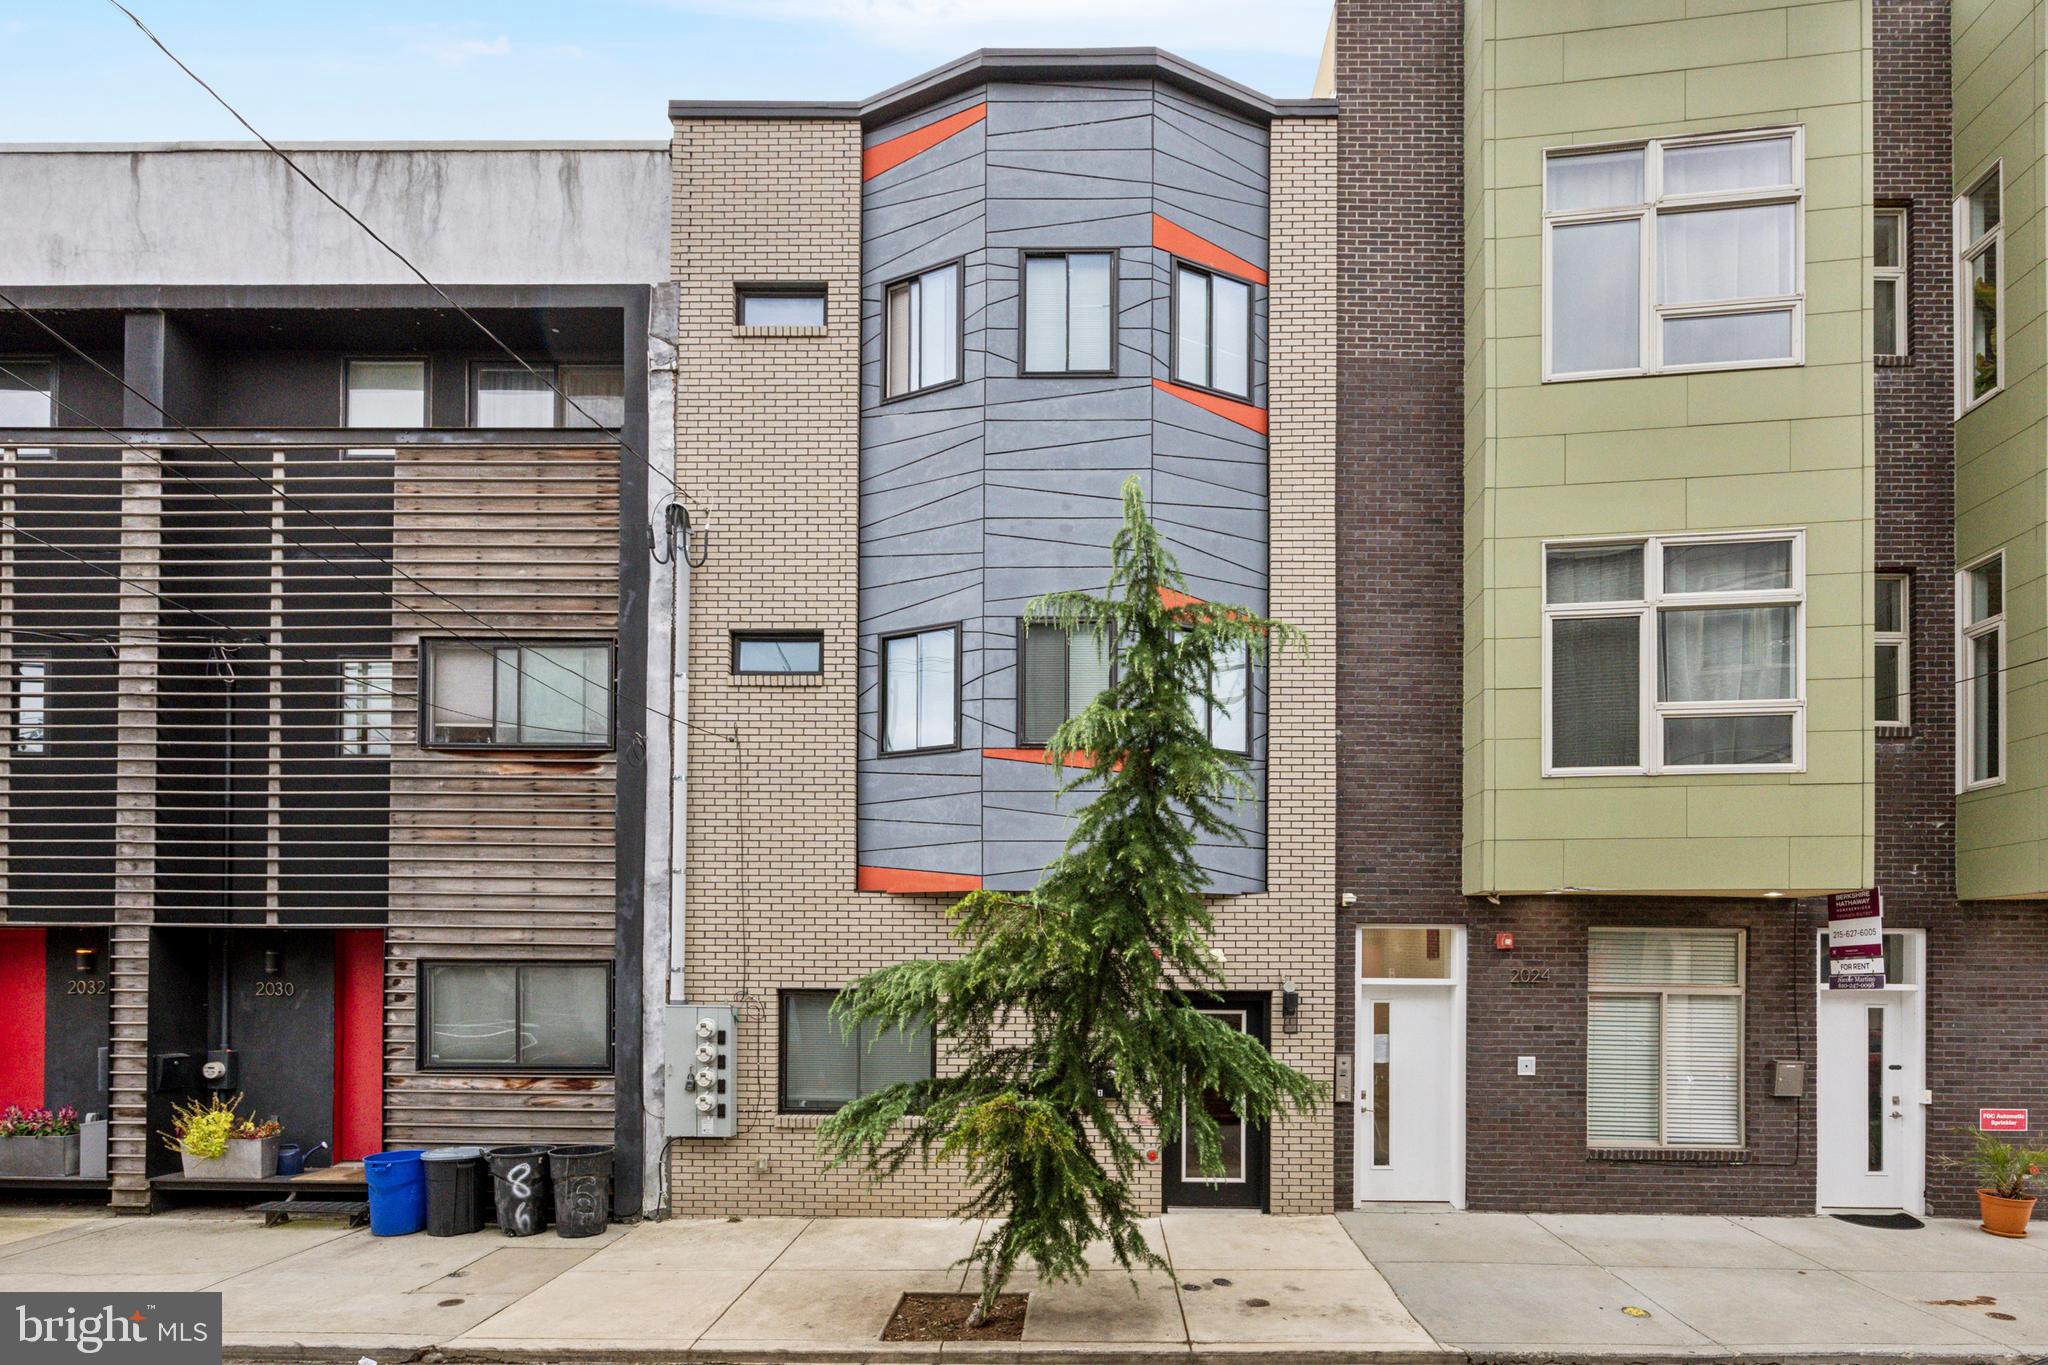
{"x": 519, "y": 1180}
{"x": 582, "y": 1177}
{"x": 455, "y": 1185}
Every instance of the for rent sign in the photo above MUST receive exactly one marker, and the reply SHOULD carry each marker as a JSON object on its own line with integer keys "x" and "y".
{"x": 1856, "y": 940}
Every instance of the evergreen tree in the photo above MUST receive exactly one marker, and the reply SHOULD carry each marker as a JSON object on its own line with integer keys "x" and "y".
{"x": 1073, "y": 1012}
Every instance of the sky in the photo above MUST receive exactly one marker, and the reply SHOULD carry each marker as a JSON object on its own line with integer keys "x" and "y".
{"x": 77, "y": 71}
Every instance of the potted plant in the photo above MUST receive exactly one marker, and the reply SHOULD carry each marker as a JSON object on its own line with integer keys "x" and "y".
{"x": 217, "y": 1143}
{"x": 2011, "y": 1175}
{"x": 40, "y": 1142}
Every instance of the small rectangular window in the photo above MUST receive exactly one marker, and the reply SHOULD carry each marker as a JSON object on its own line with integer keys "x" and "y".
{"x": 515, "y": 1016}
{"x": 1664, "y": 1038}
{"x": 920, "y": 703}
{"x": 823, "y": 1068}
{"x": 1059, "y": 673}
{"x": 28, "y": 393}
{"x": 1888, "y": 282}
{"x": 779, "y": 652}
{"x": 1212, "y": 331}
{"x": 31, "y": 703}
{"x": 1980, "y": 291}
{"x": 1894, "y": 667}
{"x": 780, "y": 305}
{"x": 389, "y": 394}
{"x": 518, "y": 696}
{"x": 921, "y": 337}
{"x": 1673, "y": 255}
{"x": 366, "y": 708}
{"x": 1980, "y": 673}
{"x": 1069, "y": 312}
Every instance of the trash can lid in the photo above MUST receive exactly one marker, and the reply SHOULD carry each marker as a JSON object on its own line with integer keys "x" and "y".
{"x": 452, "y": 1154}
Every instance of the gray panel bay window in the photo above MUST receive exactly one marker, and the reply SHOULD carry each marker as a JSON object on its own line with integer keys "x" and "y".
{"x": 1060, "y": 673}
{"x": 921, "y": 339}
{"x": 533, "y": 695}
{"x": 507, "y": 1016}
{"x": 1667, "y": 653}
{"x": 921, "y": 691}
{"x": 1068, "y": 312}
{"x": 1212, "y": 331}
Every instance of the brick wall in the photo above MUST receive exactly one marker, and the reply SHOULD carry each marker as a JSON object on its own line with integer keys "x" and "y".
{"x": 767, "y": 435}
{"x": 1400, "y": 487}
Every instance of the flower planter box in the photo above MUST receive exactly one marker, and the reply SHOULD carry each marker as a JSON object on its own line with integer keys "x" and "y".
{"x": 39, "y": 1156}
{"x": 246, "y": 1159}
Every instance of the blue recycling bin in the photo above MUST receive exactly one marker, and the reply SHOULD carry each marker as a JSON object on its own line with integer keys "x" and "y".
{"x": 398, "y": 1193}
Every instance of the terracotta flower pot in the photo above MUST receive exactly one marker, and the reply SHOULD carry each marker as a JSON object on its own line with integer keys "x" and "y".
{"x": 2004, "y": 1217}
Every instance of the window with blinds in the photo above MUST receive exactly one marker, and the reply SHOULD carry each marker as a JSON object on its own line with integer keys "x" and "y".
{"x": 1664, "y": 1038}
{"x": 1062, "y": 671}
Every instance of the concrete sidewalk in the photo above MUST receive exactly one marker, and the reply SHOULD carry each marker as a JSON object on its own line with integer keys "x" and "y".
{"x": 1420, "y": 1287}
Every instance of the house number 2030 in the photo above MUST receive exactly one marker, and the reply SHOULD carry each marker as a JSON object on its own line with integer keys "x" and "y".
{"x": 1529, "y": 976}
{"x": 264, "y": 988}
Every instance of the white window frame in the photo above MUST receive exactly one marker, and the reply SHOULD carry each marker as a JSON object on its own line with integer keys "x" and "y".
{"x": 29, "y": 738}
{"x": 1650, "y": 331}
{"x": 1967, "y": 633}
{"x": 1651, "y": 711}
{"x": 1967, "y": 250}
{"x": 368, "y": 706}
{"x": 1740, "y": 990}
{"x": 1901, "y": 310}
{"x": 1902, "y": 640}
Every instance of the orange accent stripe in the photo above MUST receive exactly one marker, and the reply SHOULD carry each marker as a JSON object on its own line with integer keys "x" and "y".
{"x": 897, "y": 150}
{"x": 1075, "y": 760}
{"x": 1173, "y": 599}
{"x": 909, "y": 879}
{"x": 1168, "y": 235}
{"x": 1229, "y": 409}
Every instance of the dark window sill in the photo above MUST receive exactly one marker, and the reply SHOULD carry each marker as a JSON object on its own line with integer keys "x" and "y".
{"x": 1894, "y": 362}
{"x": 1680, "y": 1156}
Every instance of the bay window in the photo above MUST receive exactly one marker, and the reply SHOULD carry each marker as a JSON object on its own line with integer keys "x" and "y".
{"x": 1059, "y": 673}
{"x": 1980, "y": 673}
{"x": 1664, "y": 1038}
{"x": 1980, "y": 291}
{"x": 920, "y": 702}
{"x": 1212, "y": 331}
{"x": 1674, "y": 254}
{"x": 1674, "y": 653}
{"x": 921, "y": 338}
{"x": 1226, "y": 713}
{"x": 1068, "y": 312}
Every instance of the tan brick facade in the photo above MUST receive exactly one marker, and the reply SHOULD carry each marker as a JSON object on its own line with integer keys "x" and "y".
{"x": 767, "y": 437}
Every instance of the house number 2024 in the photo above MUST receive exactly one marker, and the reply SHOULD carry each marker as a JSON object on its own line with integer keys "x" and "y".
{"x": 264, "y": 988}
{"x": 1529, "y": 976}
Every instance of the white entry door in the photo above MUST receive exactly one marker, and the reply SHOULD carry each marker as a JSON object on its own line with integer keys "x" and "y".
{"x": 1409, "y": 1073}
{"x": 1872, "y": 1128}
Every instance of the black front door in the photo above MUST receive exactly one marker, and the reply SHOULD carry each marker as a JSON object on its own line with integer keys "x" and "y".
{"x": 1242, "y": 1184}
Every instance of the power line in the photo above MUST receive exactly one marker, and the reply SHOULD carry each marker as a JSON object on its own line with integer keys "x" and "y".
{"x": 396, "y": 254}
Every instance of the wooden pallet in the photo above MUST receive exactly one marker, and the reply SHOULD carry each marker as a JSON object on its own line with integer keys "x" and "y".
{"x": 354, "y": 1212}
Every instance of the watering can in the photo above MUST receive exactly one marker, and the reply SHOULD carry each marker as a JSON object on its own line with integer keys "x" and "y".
{"x": 291, "y": 1159}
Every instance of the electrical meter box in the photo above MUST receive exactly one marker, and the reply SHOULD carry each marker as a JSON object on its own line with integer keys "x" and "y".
{"x": 702, "y": 1086}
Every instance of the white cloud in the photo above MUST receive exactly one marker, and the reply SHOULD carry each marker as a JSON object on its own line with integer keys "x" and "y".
{"x": 1265, "y": 26}
{"x": 448, "y": 49}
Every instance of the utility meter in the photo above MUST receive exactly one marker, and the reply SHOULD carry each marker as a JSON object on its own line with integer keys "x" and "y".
{"x": 701, "y": 1061}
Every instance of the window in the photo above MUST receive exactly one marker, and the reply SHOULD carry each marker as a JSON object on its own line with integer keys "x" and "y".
{"x": 1668, "y": 654}
{"x": 823, "y": 1068}
{"x": 535, "y": 696}
{"x": 921, "y": 690}
{"x": 786, "y": 652}
{"x": 1673, "y": 255}
{"x": 1980, "y": 291}
{"x": 1059, "y": 673}
{"x": 514, "y": 396}
{"x": 515, "y": 1016}
{"x": 1888, "y": 282}
{"x": 1894, "y": 671}
{"x": 1068, "y": 312}
{"x": 31, "y": 703}
{"x": 1980, "y": 673}
{"x": 1664, "y": 1037}
{"x": 1212, "y": 331}
{"x": 780, "y": 305}
{"x": 1227, "y": 719}
{"x": 385, "y": 393}
{"x": 28, "y": 393}
{"x": 921, "y": 331}
{"x": 365, "y": 707}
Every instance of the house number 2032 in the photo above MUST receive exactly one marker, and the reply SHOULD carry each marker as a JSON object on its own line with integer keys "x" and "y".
{"x": 275, "y": 988}
{"x": 1529, "y": 976}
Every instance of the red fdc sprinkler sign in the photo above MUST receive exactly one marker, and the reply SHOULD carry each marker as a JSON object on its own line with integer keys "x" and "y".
{"x": 2001, "y": 1120}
